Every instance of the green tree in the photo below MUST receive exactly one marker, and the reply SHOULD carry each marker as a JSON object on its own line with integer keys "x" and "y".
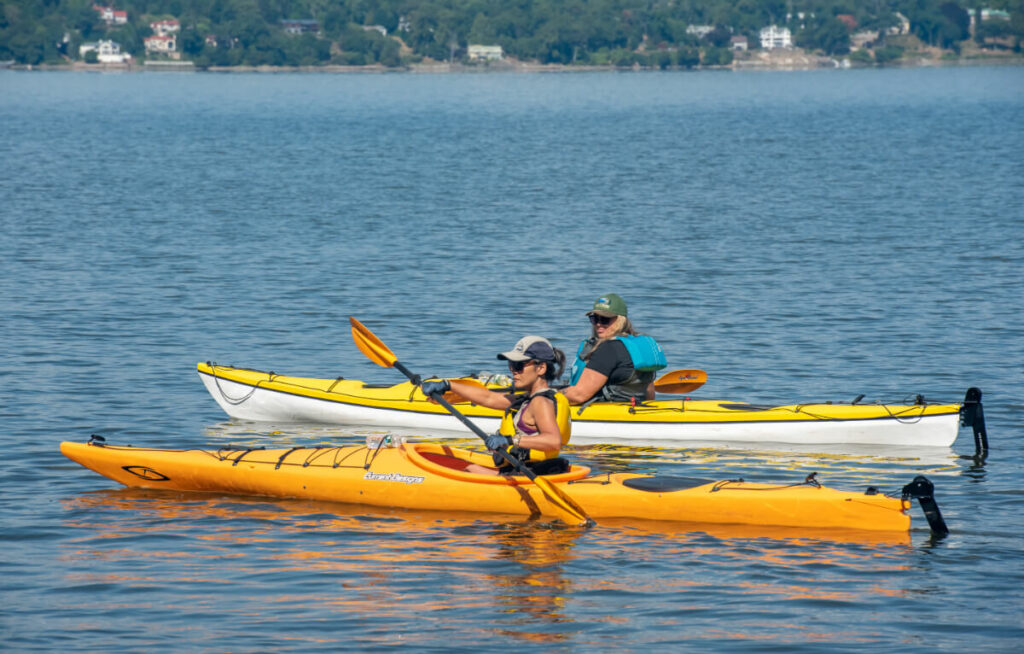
{"x": 718, "y": 37}
{"x": 888, "y": 54}
{"x": 191, "y": 42}
{"x": 336, "y": 20}
{"x": 862, "y": 57}
{"x": 688, "y": 57}
{"x": 717, "y": 56}
{"x": 827, "y": 34}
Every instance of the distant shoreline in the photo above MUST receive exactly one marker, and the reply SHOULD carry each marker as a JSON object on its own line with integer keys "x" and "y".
{"x": 777, "y": 61}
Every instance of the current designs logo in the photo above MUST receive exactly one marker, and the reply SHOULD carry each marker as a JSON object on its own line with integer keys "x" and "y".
{"x": 392, "y": 476}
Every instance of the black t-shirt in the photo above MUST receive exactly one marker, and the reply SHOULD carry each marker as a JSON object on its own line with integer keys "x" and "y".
{"x": 612, "y": 360}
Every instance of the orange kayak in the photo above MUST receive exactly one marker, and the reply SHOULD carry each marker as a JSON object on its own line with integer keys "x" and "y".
{"x": 430, "y": 476}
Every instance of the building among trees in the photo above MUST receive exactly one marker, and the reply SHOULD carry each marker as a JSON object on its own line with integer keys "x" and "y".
{"x": 774, "y": 37}
{"x": 107, "y": 52}
{"x": 485, "y": 53}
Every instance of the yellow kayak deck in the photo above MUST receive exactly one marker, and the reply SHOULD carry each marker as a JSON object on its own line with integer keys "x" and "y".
{"x": 428, "y": 476}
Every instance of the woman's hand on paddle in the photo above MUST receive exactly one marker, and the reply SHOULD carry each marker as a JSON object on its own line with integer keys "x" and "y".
{"x": 440, "y": 386}
{"x": 496, "y": 441}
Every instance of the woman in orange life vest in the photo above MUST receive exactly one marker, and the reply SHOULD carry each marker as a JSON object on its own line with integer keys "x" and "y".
{"x": 616, "y": 364}
{"x": 537, "y": 422}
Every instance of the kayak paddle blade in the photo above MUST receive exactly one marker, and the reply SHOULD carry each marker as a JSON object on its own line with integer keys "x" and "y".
{"x": 371, "y": 346}
{"x": 569, "y": 511}
{"x": 680, "y": 381}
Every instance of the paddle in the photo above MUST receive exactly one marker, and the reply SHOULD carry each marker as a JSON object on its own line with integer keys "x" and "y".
{"x": 376, "y": 351}
{"x": 680, "y": 381}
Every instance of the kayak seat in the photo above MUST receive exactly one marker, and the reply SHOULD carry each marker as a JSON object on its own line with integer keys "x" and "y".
{"x": 452, "y": 462}
{"x": 664, "y": 484}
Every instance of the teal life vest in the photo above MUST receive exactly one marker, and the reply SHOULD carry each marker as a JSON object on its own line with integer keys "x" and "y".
{"x": 646, "y": 356}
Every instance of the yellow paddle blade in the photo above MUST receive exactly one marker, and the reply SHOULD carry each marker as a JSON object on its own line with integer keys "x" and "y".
{"x": 680, "y": 381}
{"x": 569, "y": 512}
{"x": 371, "y": 346}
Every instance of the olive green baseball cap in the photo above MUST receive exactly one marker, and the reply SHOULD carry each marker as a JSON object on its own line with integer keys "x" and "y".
{"x": 609, "y": 305}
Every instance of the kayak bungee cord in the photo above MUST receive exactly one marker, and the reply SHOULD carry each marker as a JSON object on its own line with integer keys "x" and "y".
{"x": 311, "y": 460}
{"x": 228, "y": 398}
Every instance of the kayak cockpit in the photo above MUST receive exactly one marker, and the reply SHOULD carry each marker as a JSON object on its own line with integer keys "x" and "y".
{"x": 451, "y": 462}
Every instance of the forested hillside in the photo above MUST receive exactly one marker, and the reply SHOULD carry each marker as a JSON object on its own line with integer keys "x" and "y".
{"x": 573, "y": 32}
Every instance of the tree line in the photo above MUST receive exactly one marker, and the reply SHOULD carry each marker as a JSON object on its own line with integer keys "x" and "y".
{"x": 650, "y": 33}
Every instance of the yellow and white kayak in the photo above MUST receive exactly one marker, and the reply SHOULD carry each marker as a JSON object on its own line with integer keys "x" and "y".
{"x": 267, "y": 396}
{"x": 431, "y": 476}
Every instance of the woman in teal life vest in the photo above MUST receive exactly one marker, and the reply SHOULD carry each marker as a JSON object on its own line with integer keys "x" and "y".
{"x": 537, "y": 422}
{"x": 616, "y": 364}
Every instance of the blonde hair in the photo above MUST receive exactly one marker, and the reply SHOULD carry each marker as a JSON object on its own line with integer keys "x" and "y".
{"x": 622, "y": 325}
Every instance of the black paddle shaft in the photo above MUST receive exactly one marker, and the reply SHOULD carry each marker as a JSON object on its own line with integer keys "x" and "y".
{"x": 439, "y": 398}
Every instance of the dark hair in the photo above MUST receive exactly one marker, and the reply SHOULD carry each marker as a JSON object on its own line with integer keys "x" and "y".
{"x": 554, "y": 368}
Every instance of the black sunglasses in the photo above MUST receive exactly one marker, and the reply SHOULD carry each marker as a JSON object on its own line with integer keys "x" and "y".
{"x": 601, "y": 320}
{"x": 517, "y": 366}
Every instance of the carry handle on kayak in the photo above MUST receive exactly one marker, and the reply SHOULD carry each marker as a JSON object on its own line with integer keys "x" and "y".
{"x": 375, "y": 350}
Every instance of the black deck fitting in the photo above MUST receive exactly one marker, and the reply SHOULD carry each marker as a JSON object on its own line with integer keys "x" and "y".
{"x": 971, "y": 414}
{"x": 924, "y": 491}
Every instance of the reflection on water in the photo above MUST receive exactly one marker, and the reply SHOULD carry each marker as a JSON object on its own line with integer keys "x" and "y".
{"x": 364, "y": 564}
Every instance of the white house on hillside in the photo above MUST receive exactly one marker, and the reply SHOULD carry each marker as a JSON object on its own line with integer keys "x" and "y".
{"x": 485, "y": 53}
{"x": 107, "y": 52}
{"x": 300, "y": 26}
{"x": 164, "y": 27}
{"x": 111, "y": 16}
{"x": 774, "y": 37}
{"x": 903, "y": 27}
{"x": 166, "y": 45}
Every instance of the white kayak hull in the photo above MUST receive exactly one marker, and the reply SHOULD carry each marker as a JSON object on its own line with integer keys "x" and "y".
{"x": 247, "y": 401}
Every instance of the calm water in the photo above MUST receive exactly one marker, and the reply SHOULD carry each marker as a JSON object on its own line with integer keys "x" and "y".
{"x": 800, "y": 236}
